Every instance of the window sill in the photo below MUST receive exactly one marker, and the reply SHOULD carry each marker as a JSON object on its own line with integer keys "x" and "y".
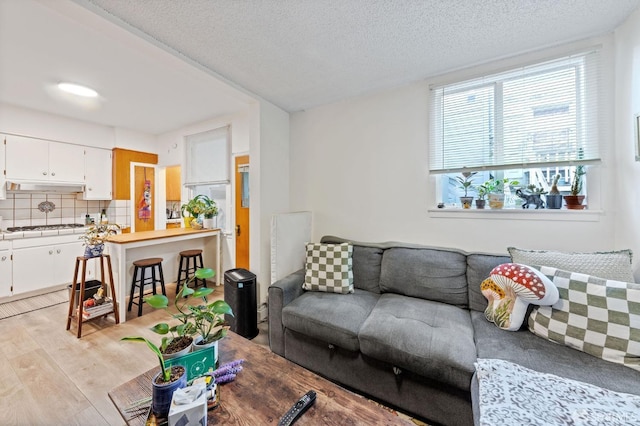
{"x": 518, "y": 214}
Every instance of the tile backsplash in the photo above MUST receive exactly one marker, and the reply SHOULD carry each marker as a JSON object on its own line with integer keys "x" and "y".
{"x": 21, "y": 209}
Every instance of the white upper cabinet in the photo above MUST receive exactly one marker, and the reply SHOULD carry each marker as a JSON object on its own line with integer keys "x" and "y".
{"x": 97, "y": 174}
{"x": 31, "y": 159}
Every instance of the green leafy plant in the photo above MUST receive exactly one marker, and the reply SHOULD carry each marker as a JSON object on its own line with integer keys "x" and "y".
{"x": 166, "y": 372}
{"x": 554, "y": 185}
{"x": 496, "y": 186}
{"x": 200, "y": 205}
{"x": 482, "y": 191}
{"x": 535, "y": 190}
{"x": 465, "y": 181}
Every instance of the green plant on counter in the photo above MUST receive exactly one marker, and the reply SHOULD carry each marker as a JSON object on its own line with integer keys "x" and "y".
{"x": 200, "y": 205}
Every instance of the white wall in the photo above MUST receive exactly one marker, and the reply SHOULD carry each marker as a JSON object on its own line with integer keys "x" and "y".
{"x": 627, "y": 232}
{"x": 28, "y": 122}
{"x": 360, "y": 165}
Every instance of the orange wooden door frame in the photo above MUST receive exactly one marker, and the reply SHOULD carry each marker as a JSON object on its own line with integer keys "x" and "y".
{"x": 241, "y": 213}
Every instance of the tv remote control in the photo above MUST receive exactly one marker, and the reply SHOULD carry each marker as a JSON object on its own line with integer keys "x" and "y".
{"x": 298, "y": 409}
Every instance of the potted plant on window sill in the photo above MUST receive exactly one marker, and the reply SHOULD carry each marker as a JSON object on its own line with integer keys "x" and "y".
{"x": 482, "y": 192}
{"x": 464, "y": 182}
{"x": 554, "y": 198}
{"x": 95, "y": 236}
{"x": 574, "y": 200}
{"x": 495, "y": 191}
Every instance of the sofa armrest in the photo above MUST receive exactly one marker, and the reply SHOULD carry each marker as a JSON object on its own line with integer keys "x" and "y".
{"x": 281, "y": 293}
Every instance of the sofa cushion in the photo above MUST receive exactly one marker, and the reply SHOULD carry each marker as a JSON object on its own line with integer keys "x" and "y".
{"x": 432, "y": 274}
{"x": 428, "y": 338}
{"x": 367, "y": 262}
{"x": 599, "y": 317}
{"x": 510, "y": 289}
{"x": 330, "y": 317}
{"x": 524, "y": 348}
{"x": 329, "y": 268}
{"x": 479, "y": 267}
{"x": 613, "y": 265}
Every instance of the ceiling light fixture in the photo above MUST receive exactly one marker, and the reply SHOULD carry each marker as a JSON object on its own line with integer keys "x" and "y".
{"x": 77, "y": 89}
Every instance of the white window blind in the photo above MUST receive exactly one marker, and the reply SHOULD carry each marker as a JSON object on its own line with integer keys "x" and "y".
{"x": 534, "y": 116}
{"x": 207, "y": 157}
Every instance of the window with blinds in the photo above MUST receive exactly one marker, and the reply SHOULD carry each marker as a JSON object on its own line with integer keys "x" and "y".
{"x": 208, "y": 157}
{"x": 528, "y": 124}
{"x": 540, "y": 115}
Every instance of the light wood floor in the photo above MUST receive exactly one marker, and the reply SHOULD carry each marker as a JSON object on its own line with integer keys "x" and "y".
{"x": 50, "y": 377}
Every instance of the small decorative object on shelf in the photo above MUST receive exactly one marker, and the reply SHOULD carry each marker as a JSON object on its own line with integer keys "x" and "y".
{"x": 531, "y": 196}
{"x": 95, "y": 236}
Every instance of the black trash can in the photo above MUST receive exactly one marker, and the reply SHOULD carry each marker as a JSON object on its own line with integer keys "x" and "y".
{"x": 240, "y": 294}
{"x": 90, "y": 288}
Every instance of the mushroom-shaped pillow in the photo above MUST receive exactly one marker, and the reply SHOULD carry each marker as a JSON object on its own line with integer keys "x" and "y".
{"x": 510, "y": 288}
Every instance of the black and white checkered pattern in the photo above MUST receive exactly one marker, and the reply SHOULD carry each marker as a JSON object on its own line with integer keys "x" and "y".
{"x": 596, "y": 316}
{"x": 329, "y": 268}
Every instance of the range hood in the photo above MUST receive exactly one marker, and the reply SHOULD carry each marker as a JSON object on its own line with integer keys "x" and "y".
{"x": 18, "y": 185}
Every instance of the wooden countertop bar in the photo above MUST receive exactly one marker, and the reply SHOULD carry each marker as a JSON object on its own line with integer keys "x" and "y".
{"x": 135, "y": 237}
{"x": 166, "y": 244}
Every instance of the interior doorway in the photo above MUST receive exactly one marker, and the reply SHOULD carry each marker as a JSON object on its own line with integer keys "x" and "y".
{"x": 242, "y": 211}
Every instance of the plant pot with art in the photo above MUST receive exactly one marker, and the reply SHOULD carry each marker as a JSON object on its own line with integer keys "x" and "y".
{"x": 495, "y": 191}
{"x": 464, "y": 182}
{"x": 574, "y": 200}
{"x": 554, "y": 198}
{"x": 165, "y": 383}
{"x": 95, "y": 236}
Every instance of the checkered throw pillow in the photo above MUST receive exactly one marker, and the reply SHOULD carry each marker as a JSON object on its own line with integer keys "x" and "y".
{"x": 596, "y": 316}
{"x": 329, "y": 268}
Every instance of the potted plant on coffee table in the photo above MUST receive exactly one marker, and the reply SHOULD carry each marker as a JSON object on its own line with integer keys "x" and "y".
{"x": 464, "y": 182}
{"x": 574, "y": 199}
{"x": 209, "y": 317}
{"x": 168, "y": 380}
{"x": 95, "y": 236}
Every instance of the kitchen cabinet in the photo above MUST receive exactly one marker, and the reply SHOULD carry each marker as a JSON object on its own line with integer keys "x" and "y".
{"x": 5, "y": 269}
{"x": 97, "y": 174}
{"x": 122, "y": 159}
{"x": 174, "y": 188}
{"x": 33, "y": 160}
{"x": 44, "y": 262}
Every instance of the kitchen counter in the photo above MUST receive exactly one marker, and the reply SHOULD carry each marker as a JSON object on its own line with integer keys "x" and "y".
{"x": 167, "y": 244}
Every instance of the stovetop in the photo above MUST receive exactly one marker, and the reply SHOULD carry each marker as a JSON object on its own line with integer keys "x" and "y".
{"x": 44, "y": 227}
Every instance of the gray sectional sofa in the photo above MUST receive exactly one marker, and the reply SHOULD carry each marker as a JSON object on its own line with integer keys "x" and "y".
{"x": 410, "y": 333}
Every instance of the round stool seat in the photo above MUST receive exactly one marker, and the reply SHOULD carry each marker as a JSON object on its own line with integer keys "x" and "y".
{"x": 152, "y": 261}
{"x": 190, "y": 253}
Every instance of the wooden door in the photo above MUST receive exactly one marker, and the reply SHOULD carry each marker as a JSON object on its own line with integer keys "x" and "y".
{"x": 242, "y": 211}
{"x": 143, "y": 218}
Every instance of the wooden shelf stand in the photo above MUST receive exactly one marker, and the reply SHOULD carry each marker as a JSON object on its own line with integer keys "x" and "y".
{"x": 72, "y": 298}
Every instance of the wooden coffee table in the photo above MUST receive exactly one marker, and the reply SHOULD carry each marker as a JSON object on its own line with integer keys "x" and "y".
{"x": 266, "y": 388}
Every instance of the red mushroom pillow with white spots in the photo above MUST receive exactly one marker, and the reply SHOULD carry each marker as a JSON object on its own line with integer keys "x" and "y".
{"x": 510, "y": 289}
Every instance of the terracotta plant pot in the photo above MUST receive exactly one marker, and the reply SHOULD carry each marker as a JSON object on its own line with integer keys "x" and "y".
{"x": 574, "y": 202}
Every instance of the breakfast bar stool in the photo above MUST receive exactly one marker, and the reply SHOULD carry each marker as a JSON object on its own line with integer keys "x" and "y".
{"x": 190, "y": 261}
{"x": 143, "y": 265}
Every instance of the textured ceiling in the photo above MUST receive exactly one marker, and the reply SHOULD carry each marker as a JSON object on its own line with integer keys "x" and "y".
{"x": 160, "y": 65}
{"x": 303, "y": 53}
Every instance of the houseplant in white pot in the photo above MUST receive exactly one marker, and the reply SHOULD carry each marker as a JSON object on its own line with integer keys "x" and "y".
{"x": 495, "y": 191}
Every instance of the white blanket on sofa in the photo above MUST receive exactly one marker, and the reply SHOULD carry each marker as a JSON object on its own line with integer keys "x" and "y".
{"x": 514, "y": 395}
